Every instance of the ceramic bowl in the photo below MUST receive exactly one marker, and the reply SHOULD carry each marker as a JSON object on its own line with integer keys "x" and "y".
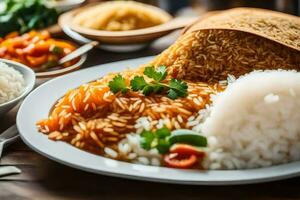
{"x": 121, "y": 41}
{"x": 29, "y": 77}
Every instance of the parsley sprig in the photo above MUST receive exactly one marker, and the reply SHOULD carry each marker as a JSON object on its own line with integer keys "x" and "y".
{"x": 118, "y": 84}
{"x": 157, "y": 83}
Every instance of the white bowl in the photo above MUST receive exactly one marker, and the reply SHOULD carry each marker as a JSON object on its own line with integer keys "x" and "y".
{"x": 64, "y": 5}
{"x": 29, "y": 78}
{"x": 119, "y": 48}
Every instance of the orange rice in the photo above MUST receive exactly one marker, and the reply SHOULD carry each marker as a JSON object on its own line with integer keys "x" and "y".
{"x": 91, "y": 117}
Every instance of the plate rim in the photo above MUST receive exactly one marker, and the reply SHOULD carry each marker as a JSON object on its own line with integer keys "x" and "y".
{"x": 283, "y": 171}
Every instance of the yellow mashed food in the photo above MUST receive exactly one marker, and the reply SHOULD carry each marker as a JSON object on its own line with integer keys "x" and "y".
{"x": 121, "y": 16}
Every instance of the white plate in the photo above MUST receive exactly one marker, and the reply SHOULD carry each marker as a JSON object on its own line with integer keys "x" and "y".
{"x": 37, "y": 105}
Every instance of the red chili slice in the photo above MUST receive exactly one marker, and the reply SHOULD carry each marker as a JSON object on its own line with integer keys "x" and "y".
{"x": 176, "y": 160}
{"x": 183, "y": 156}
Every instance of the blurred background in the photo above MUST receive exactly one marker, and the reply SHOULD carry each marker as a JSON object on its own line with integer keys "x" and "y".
{"x": 52, "y": 20}
{"x": 198, "y": 7}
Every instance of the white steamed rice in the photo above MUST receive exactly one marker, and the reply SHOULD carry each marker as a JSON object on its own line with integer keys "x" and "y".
{"x": 131, "y": 149}
{"x": 255, "y": 122}
{"x": 11, "y": 83}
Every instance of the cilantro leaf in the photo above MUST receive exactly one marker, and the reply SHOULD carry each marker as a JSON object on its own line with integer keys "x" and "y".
{"x": 138, "y": 83}
{"x": 158, "y": 88}
{"x": 174, "y": 88}
{"x": 118, "y": 84}
{"x": 172, "y": 94}
{"x": 158, "y": 74}
{"x": 147, "y": 138}
{"x": 178, "y": 88}
{"x": 148, "y": 89}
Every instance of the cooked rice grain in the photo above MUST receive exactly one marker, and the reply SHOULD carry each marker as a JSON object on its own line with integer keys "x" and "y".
{"x": 104, "y": 119}
{"x": 12, "y": 83}
{"x": 209, "y": 51}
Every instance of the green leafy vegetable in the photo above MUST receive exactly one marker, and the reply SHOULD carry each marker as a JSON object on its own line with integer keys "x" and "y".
{"x": 163, "y": 132}
{"x": 162, "y": 139}
{"x": 138, "y": 83}
{"x": 172, "y": 94}
{"x": 118, "y": 84}
{"x": 158, "y": 74}
{"x": 186, "y": 136}
{"x": 147, "y": 138}
{"x": 158, "y": 140}
{"x": 163, "y": 146}
{"x": 25, "y": 15}
{"x": 177, "y": 89}
{"x": 148, "y": 89}
{"x": 174, "y": 88}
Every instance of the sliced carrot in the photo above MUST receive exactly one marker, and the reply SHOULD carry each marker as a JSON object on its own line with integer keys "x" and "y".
{"x": 33, "y": 47}
{"x": 37, "y": 61}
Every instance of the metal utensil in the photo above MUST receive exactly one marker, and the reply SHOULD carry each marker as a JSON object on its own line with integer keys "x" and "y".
{"x": 78, "y": 52}
{"x": 8, "y": 136}
{"x": 75, "y": 36}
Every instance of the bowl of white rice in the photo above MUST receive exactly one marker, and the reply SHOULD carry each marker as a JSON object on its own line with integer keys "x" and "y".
{"x": 16, "y": 81}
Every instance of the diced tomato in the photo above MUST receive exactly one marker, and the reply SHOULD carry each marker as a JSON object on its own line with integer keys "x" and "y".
{"x": 33, "y": 48}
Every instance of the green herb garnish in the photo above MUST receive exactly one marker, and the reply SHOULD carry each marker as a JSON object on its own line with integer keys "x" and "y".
{"x": 157, "y": 139}
{"x": 118, "y": 84}
{"x": 138, "y": 83}
{"x": 159, "y": 74}
{"x": 163, "y": 132}
{"x": 163, "y": 146}
{"x": 162, "y": 139}
{"x": 174, "y": 88}
{"x": 147, "y": 138}
{"x": 177, "y": 88}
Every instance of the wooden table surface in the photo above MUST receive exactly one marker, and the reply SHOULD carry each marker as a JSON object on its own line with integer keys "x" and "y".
{"x": 44, "y": 179}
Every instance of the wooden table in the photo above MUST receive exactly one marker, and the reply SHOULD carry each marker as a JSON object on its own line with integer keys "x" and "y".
{"x": 44, "y": 179}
